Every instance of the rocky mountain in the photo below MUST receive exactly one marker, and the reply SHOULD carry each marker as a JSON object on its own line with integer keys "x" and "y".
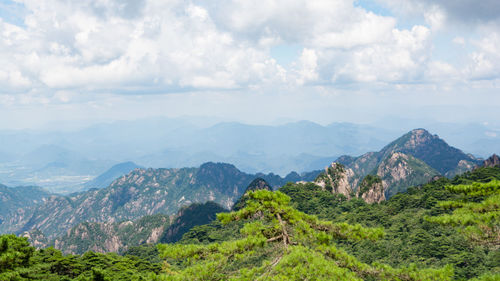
{"x": 106, "y": 178}
{"x": 492, "y": 161}
{"x": 16, "y": 202}
{"x": 118, "y": 237}
{"x": 399, "y": 171}
{"x": 420, "y": 144}
{"x": 371, "y": 189}
{"x": 413, "y": 159}
{"x": 140, "y": 193}
{"x": 338, "y": 179}
{"x": 431, "y": 149}
{"x": 256, "y": 184}
{"x": 110, "y": 236}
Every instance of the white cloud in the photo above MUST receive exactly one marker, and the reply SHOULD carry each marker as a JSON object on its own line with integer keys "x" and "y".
{"x": 308, "y": 63}
{"x": 435, "y": 17}
{"x": 98, "y": 45}
{"x": 484, "y": 63}
{"x": 72, "y": 48}
{"x": 401, "y": 58}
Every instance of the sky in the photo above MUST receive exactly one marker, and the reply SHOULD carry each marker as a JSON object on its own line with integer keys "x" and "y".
{"x": 258, "y": 62}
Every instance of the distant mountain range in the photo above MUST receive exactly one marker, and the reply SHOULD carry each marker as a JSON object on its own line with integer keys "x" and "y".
{"x": 152, "y": 205}
{"x": 63, "y": 161}
{"x": 106, "y": 178}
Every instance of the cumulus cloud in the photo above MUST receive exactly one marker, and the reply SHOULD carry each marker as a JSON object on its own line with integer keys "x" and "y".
{"x": 128, "y": 44}
{"x": 484, "y": 63}
{"x": 144, "y": 46}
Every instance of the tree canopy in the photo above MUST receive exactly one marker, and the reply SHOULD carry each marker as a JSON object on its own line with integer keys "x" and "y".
{"x": 282, "y": 243}
{"x": 477, "y": 210}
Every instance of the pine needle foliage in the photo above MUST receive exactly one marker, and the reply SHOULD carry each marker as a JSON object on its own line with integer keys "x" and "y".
{"x": 282, "y": 243}
{"x": 477, "y": 211}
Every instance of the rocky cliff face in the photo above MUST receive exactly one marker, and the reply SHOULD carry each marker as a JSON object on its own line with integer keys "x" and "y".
{"x": 492, "y": 161}
{"x": 140, "y": 193}
{"x": 37, "y": 238}
{"x": 371, "y": 189}
{"x": 462, "y": 167}
{"x": 111, "y": 237}
{"x": 337, "y": 179}
{"x": 400, "y": 171}
{"x": 119, "y": 236}
{"x": 393, "y": 174}
{"x": 412, "y": 159}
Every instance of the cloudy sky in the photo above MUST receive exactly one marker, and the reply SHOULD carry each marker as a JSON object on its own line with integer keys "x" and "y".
{"x": 251, "y": 61}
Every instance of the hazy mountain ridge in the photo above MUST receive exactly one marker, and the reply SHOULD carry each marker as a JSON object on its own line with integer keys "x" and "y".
{"x": 112, "y": 236}
{"x": 66, "y": 159}
{"x": 118, "y": 237}
{"x": 16, "y": 202}
{"x": 373, "y": 176}
{"x": 80, "y": 155}
{"x": 106, "y": 178}
{"x": 142, "y": 192}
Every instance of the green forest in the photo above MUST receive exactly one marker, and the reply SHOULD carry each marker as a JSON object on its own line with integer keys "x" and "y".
{"x": 447, "y": 229}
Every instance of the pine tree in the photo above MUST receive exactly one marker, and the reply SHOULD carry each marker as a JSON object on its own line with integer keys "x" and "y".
{"x": 282, "y": 243}
{"x": 477, "y": 211}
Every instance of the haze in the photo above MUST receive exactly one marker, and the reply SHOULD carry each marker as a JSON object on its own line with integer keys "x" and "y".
{"x": 114, "y": 81}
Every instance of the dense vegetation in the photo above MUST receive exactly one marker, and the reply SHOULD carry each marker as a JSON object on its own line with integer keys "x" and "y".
{"x": 281, "y": 243}
{"x": 306, "y": 231}
{"x": 410, "y": 238}
{"x": 479, "y": 217}
{"x": 20, "y": 261}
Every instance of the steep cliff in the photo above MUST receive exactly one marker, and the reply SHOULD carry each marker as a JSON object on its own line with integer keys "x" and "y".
{"x": 337, "y": 179}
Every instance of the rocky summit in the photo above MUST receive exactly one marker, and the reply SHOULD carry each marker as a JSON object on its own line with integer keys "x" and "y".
{"x": 492, "y": 161}
{"x": 413, "y": 159}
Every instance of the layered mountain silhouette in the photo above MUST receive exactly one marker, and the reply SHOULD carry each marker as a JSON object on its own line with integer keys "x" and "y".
{"x": 142, "y": 192}
{"x": 106, "y": 178}
{"x": 413, "y": 159}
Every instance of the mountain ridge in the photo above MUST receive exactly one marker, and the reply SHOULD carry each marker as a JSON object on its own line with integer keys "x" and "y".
{"x": 412, "y": 159}
{"x": 141, "y": 192}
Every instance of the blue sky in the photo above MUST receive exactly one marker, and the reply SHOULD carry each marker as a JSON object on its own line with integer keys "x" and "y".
{"x": 254, "y": 62}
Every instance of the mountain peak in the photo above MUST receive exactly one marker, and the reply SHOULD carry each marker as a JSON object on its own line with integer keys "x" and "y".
{"x": 256, "y": 184}
{"x": 418, "y": 137}
{"x": 492, "y": 161}
{"x": 213, "y": 165}
{"x": 430, "y": 148}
